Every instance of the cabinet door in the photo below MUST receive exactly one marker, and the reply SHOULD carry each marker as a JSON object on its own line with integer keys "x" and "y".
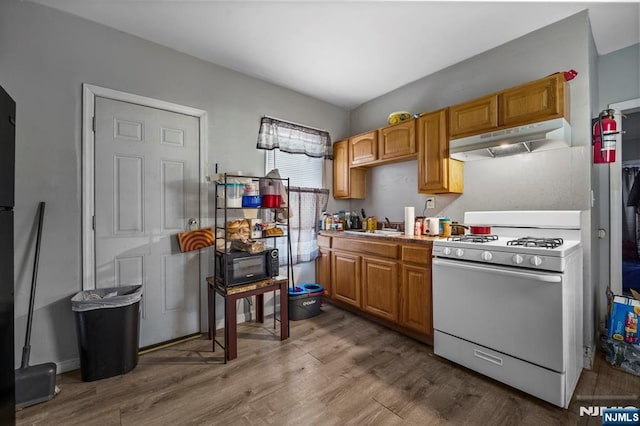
{"x": 347, "y": 182}
{"x": 397, "y": 141}
{"x": 539, "y": 100}
{"x": 345, "y": 278}
{"x": 341, "y": 169}
{"x": 323, "y": 271}
{"x": 364, "y": 148}
{"x": 476, "y": 116}
{"x": 415, "y": 298}
{"x": 437, "y": 173}
{"x": 380, "y": 288}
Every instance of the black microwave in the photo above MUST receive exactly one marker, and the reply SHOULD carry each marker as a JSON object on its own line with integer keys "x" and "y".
{"x": 239, "y": 267}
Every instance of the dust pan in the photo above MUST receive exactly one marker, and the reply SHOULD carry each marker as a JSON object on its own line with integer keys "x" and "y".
{"x": 35, "y": 383}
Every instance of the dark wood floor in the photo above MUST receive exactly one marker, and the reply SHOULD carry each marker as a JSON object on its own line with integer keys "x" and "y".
{"x": 335, "y": 369}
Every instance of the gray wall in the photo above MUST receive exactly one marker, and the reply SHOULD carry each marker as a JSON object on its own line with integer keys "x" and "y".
{"x": 555, "y": 180}
{"x": 45, "y": 56}
{"x": 618, "y": 76}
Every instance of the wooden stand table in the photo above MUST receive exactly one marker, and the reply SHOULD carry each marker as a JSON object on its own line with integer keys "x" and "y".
{"x": 231, "y": 295}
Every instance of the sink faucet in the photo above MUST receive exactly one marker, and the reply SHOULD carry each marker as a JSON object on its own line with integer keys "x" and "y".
{"x": 388, "y": 222}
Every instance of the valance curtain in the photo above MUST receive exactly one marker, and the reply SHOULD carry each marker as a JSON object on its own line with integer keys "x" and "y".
{"x": 294, "y": 138}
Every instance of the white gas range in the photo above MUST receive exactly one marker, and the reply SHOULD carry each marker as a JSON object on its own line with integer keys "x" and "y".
{"x": 509, "y": 304}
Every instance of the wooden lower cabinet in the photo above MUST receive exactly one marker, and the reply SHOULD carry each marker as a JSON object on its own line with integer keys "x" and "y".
{"x": 415, "y": 298}
{"x": 346, "y": 278}
{"x": 323, "y": 271}
{"x": 380, "y": 288}
{"x": 387, "y": 280}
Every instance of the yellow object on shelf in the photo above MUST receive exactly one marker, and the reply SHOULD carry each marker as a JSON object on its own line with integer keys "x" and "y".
{"x": 398, "y": 116}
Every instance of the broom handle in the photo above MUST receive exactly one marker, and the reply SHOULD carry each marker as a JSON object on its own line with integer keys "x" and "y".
{"x": 27, "y": 341}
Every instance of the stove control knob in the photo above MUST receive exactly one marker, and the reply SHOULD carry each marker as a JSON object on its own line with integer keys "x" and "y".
{"x": 536, "y": 261}
{"x": 446, "y": 251}
{"x": 517, "y": 259}
{"x": 486, "y": 256}
{"x": 459, "y": 252}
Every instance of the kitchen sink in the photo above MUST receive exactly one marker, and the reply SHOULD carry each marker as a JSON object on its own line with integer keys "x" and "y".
{"x": 376, "y": 232}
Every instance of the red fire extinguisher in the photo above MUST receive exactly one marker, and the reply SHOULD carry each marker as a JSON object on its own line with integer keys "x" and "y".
{"x": 604, "y": 138}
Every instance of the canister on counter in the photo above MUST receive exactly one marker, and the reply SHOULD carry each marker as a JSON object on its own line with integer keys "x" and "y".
{"x": 445, "y": 227}
{"x": 418, "y": 226}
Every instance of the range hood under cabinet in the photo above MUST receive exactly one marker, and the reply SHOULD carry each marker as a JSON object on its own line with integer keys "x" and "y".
{"x": 544, "y": 135}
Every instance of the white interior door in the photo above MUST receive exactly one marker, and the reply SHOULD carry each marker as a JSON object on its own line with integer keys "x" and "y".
{"x": 146, "y": 190}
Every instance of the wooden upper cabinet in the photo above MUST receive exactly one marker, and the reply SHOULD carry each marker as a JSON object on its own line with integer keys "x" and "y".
{"x": 363, "y": 148}
{"x": 437, "y": 173}
{"x": 347, "y": 182}
{"x": 397, "y": 141}
{"x": 473, "y": 117}
{"x": 542, "y": 99}
{"x": 341, "y": 169}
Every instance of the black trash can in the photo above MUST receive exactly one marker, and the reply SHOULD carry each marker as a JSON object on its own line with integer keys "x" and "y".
{"x": 108, "y": 328}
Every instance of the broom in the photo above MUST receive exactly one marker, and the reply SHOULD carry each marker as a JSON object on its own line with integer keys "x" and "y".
{"x": 35, "y": 383}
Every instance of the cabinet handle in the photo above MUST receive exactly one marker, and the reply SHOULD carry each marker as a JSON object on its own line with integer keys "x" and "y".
{"x": 487, "y": 357}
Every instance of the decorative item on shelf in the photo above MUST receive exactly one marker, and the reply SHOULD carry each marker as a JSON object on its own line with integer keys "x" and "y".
{"x": 398, "y": 116}
{"x": 567, "y": 75}
{"x": 195, "y": 239}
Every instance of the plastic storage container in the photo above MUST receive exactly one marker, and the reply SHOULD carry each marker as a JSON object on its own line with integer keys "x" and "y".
{"x": 108, "y": 329}
{"x": 305, "y": 301}
{"x": 233, "y": 192}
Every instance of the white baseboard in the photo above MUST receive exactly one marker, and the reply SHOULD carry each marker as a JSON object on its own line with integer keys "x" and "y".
{"x": 67, "y": 365}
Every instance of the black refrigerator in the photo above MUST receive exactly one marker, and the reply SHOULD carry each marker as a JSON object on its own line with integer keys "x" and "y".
{"x": 7, "y": 179}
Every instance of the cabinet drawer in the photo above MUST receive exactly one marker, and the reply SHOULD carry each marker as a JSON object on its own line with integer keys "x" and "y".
{"x": 387, "y": 250}
{"x": 324, "y": 241}
{"x": 417, "y": 254}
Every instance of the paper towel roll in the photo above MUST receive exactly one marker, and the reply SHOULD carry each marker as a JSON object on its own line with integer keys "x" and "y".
{"x": 409, "y": 220}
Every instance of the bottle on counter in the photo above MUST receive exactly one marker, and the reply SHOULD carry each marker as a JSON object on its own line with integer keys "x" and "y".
{"x": 328, "y": 222}
{"x": 417, "y": 230}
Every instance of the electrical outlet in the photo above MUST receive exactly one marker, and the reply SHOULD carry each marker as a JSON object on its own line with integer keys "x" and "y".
{"x": 431, "y": 202}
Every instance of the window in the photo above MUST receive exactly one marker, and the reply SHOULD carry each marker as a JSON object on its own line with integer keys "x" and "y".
{"x": 303, "y": 171}
{"x": 307, "y": 201}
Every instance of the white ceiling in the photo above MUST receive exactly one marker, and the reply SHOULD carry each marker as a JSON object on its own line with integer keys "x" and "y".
{"x": 345, "y": 52}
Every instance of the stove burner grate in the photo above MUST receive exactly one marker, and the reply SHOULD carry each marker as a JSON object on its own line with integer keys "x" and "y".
{"x": 536, "y": 242}
{"x": 474, "y": 238}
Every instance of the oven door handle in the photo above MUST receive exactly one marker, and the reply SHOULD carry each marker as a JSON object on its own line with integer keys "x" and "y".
{"x": 549, "y": 278}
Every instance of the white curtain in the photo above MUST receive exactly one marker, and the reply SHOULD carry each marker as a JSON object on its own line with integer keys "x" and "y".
{"x": 630, "y": 217}
{"x": 294, "y": 138}
{"x": 307, "y": 205}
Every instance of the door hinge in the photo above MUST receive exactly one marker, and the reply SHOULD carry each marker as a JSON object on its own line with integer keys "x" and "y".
{"x": 93, "y": 222}
{"x": 93, "y": 123}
